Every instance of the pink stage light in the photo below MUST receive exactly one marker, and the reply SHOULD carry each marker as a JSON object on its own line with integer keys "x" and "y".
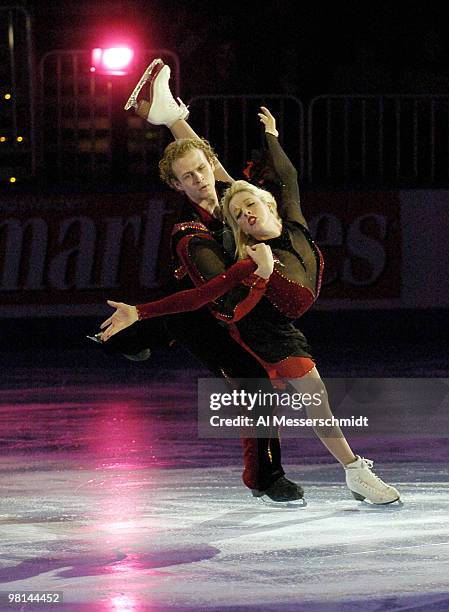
{"x": 112, "y": 61}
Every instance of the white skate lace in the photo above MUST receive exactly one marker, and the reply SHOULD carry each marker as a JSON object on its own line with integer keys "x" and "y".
{"x": 182, "y": 105}
{"x": 369, "y": 464}
{"x": 166, "y": 92}
{"x": 172, "y": 102}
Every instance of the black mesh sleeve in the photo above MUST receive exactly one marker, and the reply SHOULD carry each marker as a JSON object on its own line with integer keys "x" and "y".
{"x": 204, "y": 259}
{"x": 289, "y": 207}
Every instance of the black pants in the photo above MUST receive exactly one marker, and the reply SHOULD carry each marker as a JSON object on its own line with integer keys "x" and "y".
{"x": 211, "y": 343}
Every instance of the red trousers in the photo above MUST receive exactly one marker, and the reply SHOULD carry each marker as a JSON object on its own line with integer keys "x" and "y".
{"x": 262, "y": 456}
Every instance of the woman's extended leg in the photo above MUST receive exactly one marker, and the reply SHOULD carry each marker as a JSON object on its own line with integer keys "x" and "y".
{"x": 362, "y": 482}
{"x": 332, "y": 437}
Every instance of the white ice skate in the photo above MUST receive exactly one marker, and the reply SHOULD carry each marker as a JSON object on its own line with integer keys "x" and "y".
{"x": 365, "y": 485}
{"x": 160, "y": 106}
{"x": 164, "y": 110}
{"x": 149, "y": 73}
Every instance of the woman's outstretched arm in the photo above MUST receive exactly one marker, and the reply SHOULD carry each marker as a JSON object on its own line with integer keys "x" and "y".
{"x": 290, "y": 206}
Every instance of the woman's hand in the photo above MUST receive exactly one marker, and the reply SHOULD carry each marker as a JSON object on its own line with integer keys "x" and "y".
{"x": 124, "y": 316}
{"x": 268, "y": 120}
{"x": 262, "y": 255}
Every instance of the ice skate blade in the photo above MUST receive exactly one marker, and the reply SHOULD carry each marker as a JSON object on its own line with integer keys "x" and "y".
{"x": 132, "y": 100}
{"x": 289, "y": 505}
{"x": 140, "y": 356}
{"x": 96, "y": 338}
{"x": 363, "y": 499}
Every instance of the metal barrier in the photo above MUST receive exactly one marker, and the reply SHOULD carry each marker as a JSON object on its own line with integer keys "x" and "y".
{"x": 17, "y": 108}
{"x": 84, "y": 132}
{"x": 381, "y": 141}
{"x": 378, "y": 140}
{"x": 233, "y": 127}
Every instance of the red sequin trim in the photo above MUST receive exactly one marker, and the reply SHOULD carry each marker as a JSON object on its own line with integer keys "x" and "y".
{"x": 179, "y": 227}
{"x": 289, "y": 297}
{"x": 180, "y": 272}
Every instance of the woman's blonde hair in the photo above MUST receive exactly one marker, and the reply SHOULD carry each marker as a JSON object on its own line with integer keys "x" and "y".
{"x": 242, "y": 239}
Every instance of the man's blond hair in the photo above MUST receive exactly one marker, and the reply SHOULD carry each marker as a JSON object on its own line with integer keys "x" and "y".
{"x": 177, "y": 149}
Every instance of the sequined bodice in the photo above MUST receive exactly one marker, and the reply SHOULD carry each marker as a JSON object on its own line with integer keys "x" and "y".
{"x": 296, "y": 280}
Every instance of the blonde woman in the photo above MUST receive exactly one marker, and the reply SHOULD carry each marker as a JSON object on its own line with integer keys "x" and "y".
{"x": 268, "y": 330}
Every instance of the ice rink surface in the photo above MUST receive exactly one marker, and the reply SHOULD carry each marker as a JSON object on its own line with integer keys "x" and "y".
{"x": 108, "y": 497}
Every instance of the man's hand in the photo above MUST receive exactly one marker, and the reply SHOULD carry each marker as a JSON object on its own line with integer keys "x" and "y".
{"x": 261, "y": 254}
{"x": 124, "y": 316}
{"x": 268, "y": 120}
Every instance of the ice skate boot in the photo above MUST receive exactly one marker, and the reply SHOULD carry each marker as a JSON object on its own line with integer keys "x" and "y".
{"x": 281, "y": 491}
{"x": 158, "y": 105}
{"x": 150, "y": 72}
{"x": 365, "y": 485}
{"x": 163, "y": 108}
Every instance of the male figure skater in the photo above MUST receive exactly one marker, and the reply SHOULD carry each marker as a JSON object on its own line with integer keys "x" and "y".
{"x": 190, "y": 167}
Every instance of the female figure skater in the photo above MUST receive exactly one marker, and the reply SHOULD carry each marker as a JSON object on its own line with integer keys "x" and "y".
{"x": 255, "y": 216}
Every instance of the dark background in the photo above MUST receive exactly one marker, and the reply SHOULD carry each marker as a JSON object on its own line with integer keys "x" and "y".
{"x": 302, "y": 48}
